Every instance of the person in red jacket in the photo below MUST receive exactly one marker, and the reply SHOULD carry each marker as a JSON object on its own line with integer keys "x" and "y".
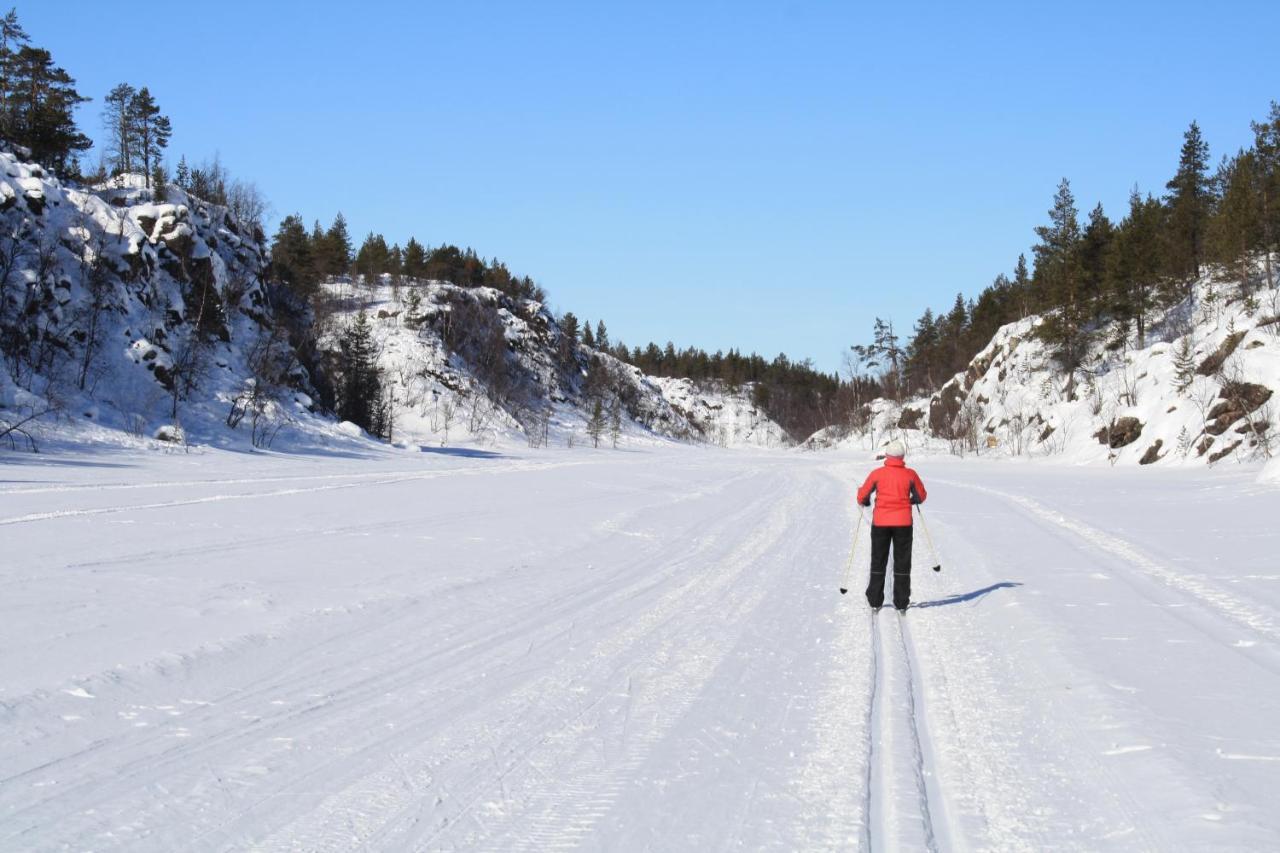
{"x": 897, "y": 488}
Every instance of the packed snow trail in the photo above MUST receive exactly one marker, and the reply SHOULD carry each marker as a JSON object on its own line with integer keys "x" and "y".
{"x": 643, "y": 650}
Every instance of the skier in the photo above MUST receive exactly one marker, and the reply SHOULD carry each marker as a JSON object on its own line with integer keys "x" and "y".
{"x": 897, "y": 489}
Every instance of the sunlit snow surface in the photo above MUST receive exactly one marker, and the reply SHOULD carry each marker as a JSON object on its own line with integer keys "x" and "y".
{"x": 623, "y": 650}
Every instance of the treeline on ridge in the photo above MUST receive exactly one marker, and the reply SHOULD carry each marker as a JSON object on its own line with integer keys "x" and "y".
{"x": 1100, "y": 276}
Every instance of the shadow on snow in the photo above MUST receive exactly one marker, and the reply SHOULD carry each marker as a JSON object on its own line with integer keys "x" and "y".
{"x": 960, "y": 598}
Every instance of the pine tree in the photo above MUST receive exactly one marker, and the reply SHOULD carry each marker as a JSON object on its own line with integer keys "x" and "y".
{"x": 1134, "y": 271}
{"x": 1235, "y": 231}
{"x": 12, "y": 37}
{"x": 118, "y": 120}
{"x": 1022, "y": 287}
{"x": 373, "y": 259}
{"x": 1266, "y": 147}
{"x": 884, "y": 352}
{"x": 151, "y": 130}
{"x": 1189, "y": 203}
{"x": 568, "y": 339}
{"x": 40, "y": 102}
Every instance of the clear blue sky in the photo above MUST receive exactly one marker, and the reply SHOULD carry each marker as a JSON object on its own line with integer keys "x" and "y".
{"x": 769, "y": 176}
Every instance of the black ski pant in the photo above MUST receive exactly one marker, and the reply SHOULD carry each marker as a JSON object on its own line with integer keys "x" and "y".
{"x": 881, "y": 538}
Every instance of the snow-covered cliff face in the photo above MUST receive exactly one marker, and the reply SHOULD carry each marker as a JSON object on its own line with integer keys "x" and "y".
{"x": 474, "y": 364}
{"x": 127, "y": 318}
{"x": 1203, "y": 389}
{"x": 120, "y": 312}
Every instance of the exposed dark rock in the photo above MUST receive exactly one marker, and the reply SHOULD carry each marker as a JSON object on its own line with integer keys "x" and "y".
{"x": 1153, "y": 453}
{"x": 1120, "y": 433}
{"x": 1214, "y": 362}
{"x": 1224, "y": 452}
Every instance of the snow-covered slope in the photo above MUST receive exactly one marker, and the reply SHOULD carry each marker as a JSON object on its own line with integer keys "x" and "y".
{"x": 123, "y": 317}
{"x": 1202, "y": 390}
{"x": 476, "y": 365}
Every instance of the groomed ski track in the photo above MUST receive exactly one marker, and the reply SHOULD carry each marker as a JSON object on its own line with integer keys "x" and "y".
{"x": 622, "y": 651}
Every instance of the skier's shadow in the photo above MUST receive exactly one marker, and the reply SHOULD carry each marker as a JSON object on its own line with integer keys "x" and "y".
{"x": 960, "y": 598}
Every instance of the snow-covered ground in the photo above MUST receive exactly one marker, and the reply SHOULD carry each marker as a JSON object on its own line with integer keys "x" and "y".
{"x": 538, "y": 650}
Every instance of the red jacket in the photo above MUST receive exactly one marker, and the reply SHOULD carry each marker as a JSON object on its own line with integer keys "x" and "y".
{"x": 897, "y": 487}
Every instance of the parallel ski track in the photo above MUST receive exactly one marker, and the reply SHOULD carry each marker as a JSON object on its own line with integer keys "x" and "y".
{"x": 407, "y": 661}
{"x": 355, "y": 481}
{"x": 886, "y": 811}
{"x": 1121, "y": 551}
{"x": 875, "y": 772}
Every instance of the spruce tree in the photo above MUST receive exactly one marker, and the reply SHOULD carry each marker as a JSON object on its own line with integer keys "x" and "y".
{"x": 1189, "y": 203}
{"x": 1058, "y": 280}
{"x": 415, "y": 259}
{"x": 336, "y": 251}
{"x": 360, "y": 397}
{"x": 595, "y": 426}
{"x": 602, "y": 337}
{"x": 588, "y": 337}
{"x": 1094, "y": 248}
{"x": 182, "y": 175}
{"x": 292, "y": 258}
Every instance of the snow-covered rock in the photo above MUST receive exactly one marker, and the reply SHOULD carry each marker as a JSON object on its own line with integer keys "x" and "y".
{"x": 475, "y": 365}
{"x": 1202, "y": 389}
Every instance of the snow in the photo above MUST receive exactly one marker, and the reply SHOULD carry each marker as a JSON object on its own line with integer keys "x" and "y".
{"x": 539, "y": 649}
{"x": 1023, "y": 406}
{"x": 438, "y": 398}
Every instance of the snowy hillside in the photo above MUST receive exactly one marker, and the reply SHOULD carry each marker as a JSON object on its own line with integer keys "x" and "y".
{"x": 124, "y": 318}
{"x": 1202, "y": 390}
{"x": 476, "y": 365}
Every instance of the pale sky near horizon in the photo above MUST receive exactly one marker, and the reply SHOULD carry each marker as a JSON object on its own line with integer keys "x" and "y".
{"x": 766, "y": 176}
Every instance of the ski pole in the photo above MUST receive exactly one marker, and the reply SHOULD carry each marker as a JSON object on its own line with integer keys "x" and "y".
{"x": 853, "y": 549}
{"x": 937, "y": 564}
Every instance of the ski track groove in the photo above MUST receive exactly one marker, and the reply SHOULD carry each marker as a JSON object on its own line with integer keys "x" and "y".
{"x": 382, "y": 480}
{"x": 170, "y": 755}
{"x": 1126, "y": 553}
{"x": 559, "y": 817}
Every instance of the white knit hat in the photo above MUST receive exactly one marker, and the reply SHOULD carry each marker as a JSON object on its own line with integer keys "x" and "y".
{"x": 895, "y": 448}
